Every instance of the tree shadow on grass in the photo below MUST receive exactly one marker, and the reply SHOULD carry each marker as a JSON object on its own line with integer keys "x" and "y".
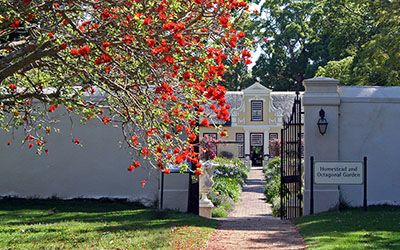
{"x": 127, "y": 216}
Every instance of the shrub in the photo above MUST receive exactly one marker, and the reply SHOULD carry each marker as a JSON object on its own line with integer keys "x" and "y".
{"x": 272, "y": 184}
{"x": 229, "y": 177}
{"x": 227, "y": 186}
{"x": 272, "y": 179}
{"x": 276, "y": 206}
{"x": 234, "y": 168}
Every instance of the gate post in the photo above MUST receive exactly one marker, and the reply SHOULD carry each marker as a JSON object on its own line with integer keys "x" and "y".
{"x": 320, "y": 93}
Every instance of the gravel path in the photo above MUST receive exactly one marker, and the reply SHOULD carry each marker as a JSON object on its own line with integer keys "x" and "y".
{"x": 251, "y": 226}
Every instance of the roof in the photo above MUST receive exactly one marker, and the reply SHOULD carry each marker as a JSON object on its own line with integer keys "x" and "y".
{"x": 283, "y": 102}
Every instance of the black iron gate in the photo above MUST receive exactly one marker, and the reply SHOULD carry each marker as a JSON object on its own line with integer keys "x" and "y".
{"x": 291, "y": 160}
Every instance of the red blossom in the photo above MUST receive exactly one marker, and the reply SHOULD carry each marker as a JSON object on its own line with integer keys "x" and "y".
{"x": 147, "y": 21}
{"x": 52, "y": 108}
{"x": 224, "y": 21}
{"x": 84, "y": 50}
{"x": 192, "y": 137}
{"x": 15, "y": 23}
{"x": 12, "y": 87}
{"x": 136, "y": 164}
{"x": 74, "y": 52}
{"x": 134, "y": 140}
{"x": 197, "y": 172}
{"x": 106, "y": 120}
{"x": 178, "y": 128}
{"x": 204, "y": 122}
{"x": 241, "y": 35}
{"x": 76, "y": 141}
{"x": 145, "y": 152}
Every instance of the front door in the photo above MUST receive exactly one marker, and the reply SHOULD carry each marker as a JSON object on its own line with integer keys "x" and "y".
{"x": 257, "y": 149}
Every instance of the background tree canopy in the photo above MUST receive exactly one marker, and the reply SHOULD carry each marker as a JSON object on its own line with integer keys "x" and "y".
{"x": 355, "y": 41}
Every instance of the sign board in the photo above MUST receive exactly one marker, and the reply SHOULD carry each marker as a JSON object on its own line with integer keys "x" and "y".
{"x": 338, "y": 173}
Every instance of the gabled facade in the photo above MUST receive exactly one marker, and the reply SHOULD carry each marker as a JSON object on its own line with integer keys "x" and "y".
{"x": 256, "y": 118}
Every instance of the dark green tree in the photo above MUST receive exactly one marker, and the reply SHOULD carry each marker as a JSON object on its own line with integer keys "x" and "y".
{"x": 294, "y": 49}
{"x": 357, "y": 41}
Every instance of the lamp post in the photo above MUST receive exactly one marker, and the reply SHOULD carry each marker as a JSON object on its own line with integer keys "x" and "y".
{"x": 322, "y": 122}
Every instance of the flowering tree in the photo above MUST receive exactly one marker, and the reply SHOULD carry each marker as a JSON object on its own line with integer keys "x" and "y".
{"x": 208, "y": 147}
{"x": 150, "y": 66}
{"x": 274, "y": 148}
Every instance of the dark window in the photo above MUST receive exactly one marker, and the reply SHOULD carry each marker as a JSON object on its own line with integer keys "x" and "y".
{"x": 256, "y": 110}
{"x": 274, "y": 145}
{"x": 273, "y": 136}
{"x": 256, "y": 139}
{"x": 240, "y": 139}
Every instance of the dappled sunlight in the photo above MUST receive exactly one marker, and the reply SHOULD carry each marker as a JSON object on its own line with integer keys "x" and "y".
{"x": 85, "y": 224}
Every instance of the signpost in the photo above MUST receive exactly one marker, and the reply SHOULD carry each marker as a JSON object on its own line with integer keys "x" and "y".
{"x": 338, "y": 173}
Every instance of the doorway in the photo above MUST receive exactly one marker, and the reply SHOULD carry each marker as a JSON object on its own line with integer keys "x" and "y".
{"x": 257, "y": 149}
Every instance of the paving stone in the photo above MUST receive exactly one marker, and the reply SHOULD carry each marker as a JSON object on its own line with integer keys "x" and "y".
{"x": 251, "y": 226}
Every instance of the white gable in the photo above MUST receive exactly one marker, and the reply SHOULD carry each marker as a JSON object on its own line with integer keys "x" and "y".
{"x": 257, "y": 89}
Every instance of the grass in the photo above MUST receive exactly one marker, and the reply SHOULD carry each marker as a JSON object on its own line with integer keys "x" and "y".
{"x": 89, "y": 224}
{"x": 377, "y": 228}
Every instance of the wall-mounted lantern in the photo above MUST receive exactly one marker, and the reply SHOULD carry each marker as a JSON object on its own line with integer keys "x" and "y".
{"x": 322, "y": 122}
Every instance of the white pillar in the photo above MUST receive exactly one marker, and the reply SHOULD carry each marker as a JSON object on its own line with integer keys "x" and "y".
{"x": 247, "y": 142}
{"x": 320, "y": 93}
{"x": 266, "y": 142}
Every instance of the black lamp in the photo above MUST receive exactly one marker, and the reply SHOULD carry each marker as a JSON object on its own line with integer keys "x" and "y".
{"x": 322, "y": 122}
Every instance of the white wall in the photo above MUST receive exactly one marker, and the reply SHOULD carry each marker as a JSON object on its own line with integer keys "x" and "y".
{"x": 96, "y": 170}
{"x": 363, "y": 121}
{"x": 370, "y": 126}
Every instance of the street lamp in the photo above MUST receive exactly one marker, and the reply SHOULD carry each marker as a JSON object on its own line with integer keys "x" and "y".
{"x": 322, "y": 122}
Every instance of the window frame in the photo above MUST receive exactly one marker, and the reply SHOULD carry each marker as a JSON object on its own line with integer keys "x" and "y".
{"x": 276, "y": 134}
{"x": 262, "y": 110}
{"x": 241, "y": 146}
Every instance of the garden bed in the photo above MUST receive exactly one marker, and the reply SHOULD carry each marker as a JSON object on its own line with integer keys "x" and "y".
{"x": 229, "y": 177}
{"x": 272, "y": 184}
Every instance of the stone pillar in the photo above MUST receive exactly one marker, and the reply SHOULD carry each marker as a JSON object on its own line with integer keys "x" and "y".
{"x": 266, "y": 142}
{"x": 246, "y": 142}
{"x": 320, "y": 93}
{"x": 205, "y": 186}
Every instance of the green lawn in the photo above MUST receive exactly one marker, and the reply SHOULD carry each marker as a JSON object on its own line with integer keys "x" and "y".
{"x": 56, "y": 224}
{"x": 377, "y": 228}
